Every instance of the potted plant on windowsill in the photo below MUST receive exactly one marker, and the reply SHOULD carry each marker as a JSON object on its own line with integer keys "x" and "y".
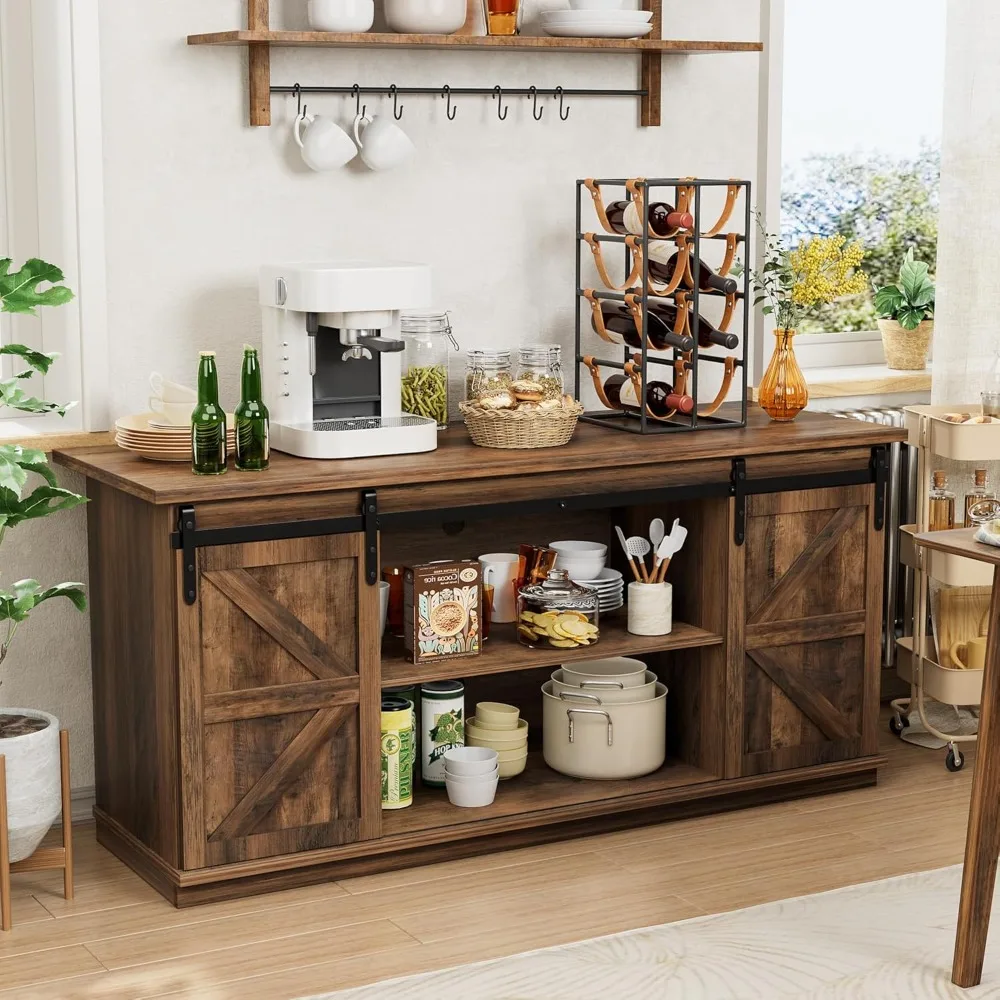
{"x": 906, "y": 315}
{"x": 29, "y": 738}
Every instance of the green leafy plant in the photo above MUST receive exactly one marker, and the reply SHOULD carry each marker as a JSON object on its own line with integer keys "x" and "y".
{"x": 20, "y": 293}
{"x": 910, "y": 300}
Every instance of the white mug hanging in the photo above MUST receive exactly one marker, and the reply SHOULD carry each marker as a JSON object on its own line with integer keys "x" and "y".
{"x": 383, "y": 143}
{"x": 325, "y": 145}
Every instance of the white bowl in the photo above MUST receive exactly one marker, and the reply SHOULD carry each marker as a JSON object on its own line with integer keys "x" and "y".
{"x": 473, "y": 779}
{"x": 431, "y": 17}
{"x": 472, "y": 796}
{"x": 580, "y": 567}
{"x": 575, "y": 548}
{"x": 595, "y": 4}
{"x": 469, "y": 761}
{"x": 344, "y": 16}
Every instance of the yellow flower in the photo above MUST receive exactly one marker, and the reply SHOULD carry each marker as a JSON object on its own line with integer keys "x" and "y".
{"x": 824, "y": 269}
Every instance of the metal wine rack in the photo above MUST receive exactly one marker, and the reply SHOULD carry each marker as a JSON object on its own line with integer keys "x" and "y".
{"x": 638, "y": 290}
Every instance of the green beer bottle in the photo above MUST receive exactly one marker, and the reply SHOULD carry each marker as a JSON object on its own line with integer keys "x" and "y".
{"x": 208, "y": 421}
{"x": 252, "y": 436}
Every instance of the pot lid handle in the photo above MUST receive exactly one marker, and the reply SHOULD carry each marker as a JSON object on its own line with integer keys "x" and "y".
{"x": 570, "y": 712}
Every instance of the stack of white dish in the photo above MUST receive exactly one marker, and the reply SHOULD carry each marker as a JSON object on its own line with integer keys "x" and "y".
{"x": 498, "y": 727}
{"x": 142, "y": 434}
{"x": 470, "y": 776}
{"x": 610, "y": 589}
{"x": 581, "y": 560}
{"x": 597, "y": 19}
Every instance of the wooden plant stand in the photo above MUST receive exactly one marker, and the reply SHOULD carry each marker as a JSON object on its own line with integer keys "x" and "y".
{"x": 45, "y": 857}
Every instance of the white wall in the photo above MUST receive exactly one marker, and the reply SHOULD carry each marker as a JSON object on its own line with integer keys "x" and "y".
{"x": 966, "y": 332}
{"x": 196, "y": 200}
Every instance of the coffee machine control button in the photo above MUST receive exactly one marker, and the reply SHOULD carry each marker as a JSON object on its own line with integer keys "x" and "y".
{"x": 280, "y": 292}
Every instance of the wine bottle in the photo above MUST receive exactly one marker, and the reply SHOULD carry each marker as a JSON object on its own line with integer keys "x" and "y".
{"x": 208, "y": 421}
{"x": 707, "y": 334}
{"x": 660, "y": 396}
{"x": 664, "y": 220}
{"x": 620, "y": 325}
{"x": 252, "y": 432}
{"x": 661, "y": 268}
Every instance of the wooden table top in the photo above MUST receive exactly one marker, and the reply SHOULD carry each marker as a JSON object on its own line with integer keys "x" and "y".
{"x": 960, "y": 542}
{"x": 457, "y": 458}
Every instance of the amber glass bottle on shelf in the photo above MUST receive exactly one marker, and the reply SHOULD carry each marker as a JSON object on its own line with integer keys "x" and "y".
{"x": 662, "y": 265}
{"x": 664, "y": 220}
{"x": 620, "y": 325}
{"x": 979, "y": 490}
{"x": 940, "y": 504}
{"x": 660, "y": 396}
{"x": 707, "y": 334}
{"x": 783, "y": 392}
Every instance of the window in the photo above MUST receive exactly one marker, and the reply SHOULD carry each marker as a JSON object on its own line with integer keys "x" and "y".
{"x": 51, "y": 196}
{"x": 861, "y": 97}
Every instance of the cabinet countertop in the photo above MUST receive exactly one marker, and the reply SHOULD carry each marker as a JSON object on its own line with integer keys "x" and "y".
{"x": 458, "y": 459}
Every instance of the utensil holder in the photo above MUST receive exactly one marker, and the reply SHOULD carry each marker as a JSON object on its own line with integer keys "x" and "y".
{"x": 650, "y": 608}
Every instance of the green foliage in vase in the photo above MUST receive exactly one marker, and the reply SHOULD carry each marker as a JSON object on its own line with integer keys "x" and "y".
{"x": 21, "y": 467}
{"x": 889, "y": 205}
{"x": 910, "y": 300}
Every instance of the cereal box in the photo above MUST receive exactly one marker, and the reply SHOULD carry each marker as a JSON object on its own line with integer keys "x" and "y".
{"x": 442, "y": 604}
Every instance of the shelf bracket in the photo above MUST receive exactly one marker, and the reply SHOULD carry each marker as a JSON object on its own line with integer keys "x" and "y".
{"x": 369, "y": 521}
{"x": 651, "y": 69}
{"x": 738, "y": 490}
{"x": 880, "y": 476}
{"x": 186, "y": 528}
{"x": 259, "y": 19}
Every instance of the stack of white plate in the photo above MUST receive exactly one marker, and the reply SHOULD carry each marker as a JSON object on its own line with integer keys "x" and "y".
{"x": 610, "y": 589}
{"x": 148, "y": 435}
{"x": 597, "y": 22}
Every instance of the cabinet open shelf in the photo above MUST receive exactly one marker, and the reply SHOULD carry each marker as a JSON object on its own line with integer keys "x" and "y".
{"x": 503, "y": 653}
{"x": 540, "y": 788}
{"x": 520, "y": 42}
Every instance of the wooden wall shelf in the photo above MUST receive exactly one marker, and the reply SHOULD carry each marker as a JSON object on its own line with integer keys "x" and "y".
{"x": 259, "y": 38}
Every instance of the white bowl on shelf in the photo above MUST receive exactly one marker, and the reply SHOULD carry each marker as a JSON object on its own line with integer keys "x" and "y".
{"x": 425, "y": 17}
{"x": 341, "y": 16}
{"x": 469, "y": 761}
{"x": 471, "y": 794}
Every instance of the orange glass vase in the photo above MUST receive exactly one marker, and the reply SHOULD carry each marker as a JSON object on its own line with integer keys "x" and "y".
{"x": 783, "y": 391}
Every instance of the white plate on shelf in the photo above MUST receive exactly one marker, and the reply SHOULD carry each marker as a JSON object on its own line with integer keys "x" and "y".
{"x": 582, "y": 31}
{"x": 602, "y": 16}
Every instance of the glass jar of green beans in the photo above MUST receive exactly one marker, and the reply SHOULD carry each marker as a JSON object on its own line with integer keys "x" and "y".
{"x": 424, "y": 384}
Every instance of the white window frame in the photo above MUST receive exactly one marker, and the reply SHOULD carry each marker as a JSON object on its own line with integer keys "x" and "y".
{"x": 824, "y": 350}
{"x": 66, "y": 224}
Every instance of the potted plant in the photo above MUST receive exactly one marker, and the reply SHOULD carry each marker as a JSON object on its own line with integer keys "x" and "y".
{"x": 29, "y": 738}
{"x": 906, "y": 315}
{"x": 790, "y": 282}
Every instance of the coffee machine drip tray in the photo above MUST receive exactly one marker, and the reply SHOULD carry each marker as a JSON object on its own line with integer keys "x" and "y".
{"x": 356, "y": 437}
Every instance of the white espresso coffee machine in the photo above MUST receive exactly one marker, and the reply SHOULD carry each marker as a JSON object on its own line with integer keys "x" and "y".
{"x": 331, "y": 357}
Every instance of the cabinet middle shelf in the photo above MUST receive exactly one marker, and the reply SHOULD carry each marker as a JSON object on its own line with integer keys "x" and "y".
{"x": 503, "y": 653}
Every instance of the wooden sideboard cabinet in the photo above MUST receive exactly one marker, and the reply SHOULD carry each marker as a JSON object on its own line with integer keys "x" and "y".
{"x": 238, "y": 665}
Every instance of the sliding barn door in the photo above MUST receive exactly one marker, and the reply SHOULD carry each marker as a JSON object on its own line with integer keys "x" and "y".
{"x": 279, "y": 695}
{"x": 813, "y": 585}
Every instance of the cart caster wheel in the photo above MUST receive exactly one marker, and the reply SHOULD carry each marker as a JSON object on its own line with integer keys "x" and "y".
{"x": 955, "y": 761}
{"x": 897, "y": 724}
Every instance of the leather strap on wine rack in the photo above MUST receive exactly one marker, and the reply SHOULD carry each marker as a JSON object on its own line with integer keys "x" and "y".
{"x": 720, "y": 398}
{"x": 727, "y": 263}
{"x": 635, "y": 308}
{"x": 727, "y": 315}
{"x": 732, "y": 190}
{"x": 595, "y": 192}
{"x": 682, "y": 272}
{"x": 632, "y": 370}
{"x": 595, "y": 305}
{"x": 595, "y": 374}
{"x": 636, "y": 276}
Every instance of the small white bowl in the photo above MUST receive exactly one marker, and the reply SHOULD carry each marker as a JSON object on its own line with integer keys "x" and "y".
{"x": 580, "y": 567}
{"x": 472, "y": 796}
{"x": 469, "y": 761}
{"x": 484, "y": 777}
{"x": 575, "y": 548}
{"x": 342, "y": 16}
{"x": 431, "y": 17}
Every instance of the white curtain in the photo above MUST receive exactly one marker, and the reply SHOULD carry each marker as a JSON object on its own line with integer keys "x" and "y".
{"x": 967, "y": 321}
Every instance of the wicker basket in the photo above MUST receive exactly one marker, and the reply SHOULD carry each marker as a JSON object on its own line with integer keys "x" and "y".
{"x": 520, "y": 428}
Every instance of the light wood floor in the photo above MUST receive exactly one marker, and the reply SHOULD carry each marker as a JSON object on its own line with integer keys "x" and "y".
{"x": 118, "y": 939}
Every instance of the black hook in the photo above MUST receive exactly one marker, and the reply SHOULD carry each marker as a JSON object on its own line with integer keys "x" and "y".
{"x": 297, "y": 91}
{"x": 536, "y": 111}
{"x": 563, "y": 114}
{"x": 449, "y": 111}
{"x": 397, "y": 111}
{"x": 498, "y": 94}
{"x": 358, "y": 110}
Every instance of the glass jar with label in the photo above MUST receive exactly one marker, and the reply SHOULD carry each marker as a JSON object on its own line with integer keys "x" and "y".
{"x": 557, "y": 612}
{"x": 424, "y": 384}
{"x": 487, "y": 372}
{"x": 542, "y": 363}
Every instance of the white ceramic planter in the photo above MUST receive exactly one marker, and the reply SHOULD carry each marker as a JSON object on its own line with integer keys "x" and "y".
{"x": 33, "y": 783}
